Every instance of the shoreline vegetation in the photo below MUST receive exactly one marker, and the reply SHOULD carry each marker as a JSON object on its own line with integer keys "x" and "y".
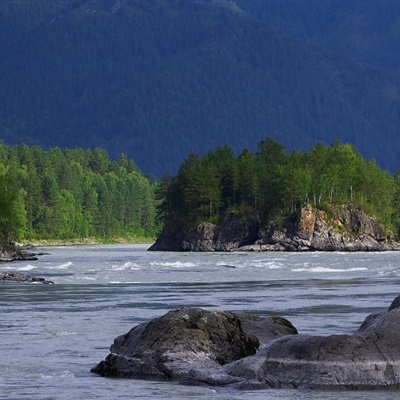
{"x": 84, "y": 242}
{"x": 218, "y": 202}
{"x": 27, "y": 250}
{"x": 73, "y": 196}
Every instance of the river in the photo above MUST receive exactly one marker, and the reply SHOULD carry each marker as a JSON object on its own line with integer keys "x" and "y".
{"x": 51, "y": 335}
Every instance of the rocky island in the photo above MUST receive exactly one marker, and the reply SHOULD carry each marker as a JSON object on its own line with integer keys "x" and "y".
{"x": 345, "y": 229}
{"x": 201, "y": 347}
{"x": 324, "y": 199}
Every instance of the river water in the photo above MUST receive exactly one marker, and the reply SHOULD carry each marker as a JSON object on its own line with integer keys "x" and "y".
{"x": 51, "y": 335}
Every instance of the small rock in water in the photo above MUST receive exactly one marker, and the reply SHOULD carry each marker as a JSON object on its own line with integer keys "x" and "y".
{"x": 20, "y": 278}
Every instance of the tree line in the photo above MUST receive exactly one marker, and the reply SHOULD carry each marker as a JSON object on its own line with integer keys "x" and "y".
{"x": 77, "y": 193}
{"x": 71, "y": 194}
{"x": 275, "y": 184}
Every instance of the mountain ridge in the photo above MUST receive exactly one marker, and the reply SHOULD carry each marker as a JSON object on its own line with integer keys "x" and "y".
{"x": 158, "y": 80}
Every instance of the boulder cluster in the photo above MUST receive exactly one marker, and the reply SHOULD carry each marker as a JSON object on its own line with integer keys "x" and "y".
{"x": 201, "y": 347}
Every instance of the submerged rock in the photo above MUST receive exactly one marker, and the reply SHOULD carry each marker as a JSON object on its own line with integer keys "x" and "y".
{"x": 21, "y": 278}
{"x": 200, "y": 347}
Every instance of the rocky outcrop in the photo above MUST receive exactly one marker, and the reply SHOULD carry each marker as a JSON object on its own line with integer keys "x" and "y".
{"x": 169, "y": 347}
{"x": 13, "y": 253}
{"x": 346, "y": 229}
{"x": 200, "y": 347}
{"x": 234, "y": 232}
{"x": 21, "y": 278}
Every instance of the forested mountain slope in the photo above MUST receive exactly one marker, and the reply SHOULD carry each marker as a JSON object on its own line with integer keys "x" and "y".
{"x": 158, "y": 80}
{"x": 366, "y": 31}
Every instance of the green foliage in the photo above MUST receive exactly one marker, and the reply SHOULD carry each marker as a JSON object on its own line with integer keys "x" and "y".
{"x": 275, "y": 184}
{"x": 72, "y": 194}
{"x": 10, "y": 211}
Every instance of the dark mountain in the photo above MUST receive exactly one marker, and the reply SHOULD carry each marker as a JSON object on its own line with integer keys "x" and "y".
{"x": 159, "y": 79}
{"x": 367, "y": 31}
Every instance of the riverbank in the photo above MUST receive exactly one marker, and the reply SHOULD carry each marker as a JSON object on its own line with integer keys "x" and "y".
{"x": 27, "y": 244}
{"x": 25, "y": 250}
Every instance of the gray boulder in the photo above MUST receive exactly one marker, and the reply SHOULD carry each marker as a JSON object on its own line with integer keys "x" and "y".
{"x": 168, "y": 347}
{"x": 188, "y": 343}
{"x": 368, "y": 359}
{"x": 200, "y": 347}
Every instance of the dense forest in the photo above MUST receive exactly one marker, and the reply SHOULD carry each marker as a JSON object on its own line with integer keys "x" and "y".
{"x": 72, "y": 194}
{"x": 77, "y": 193}
{"x": 170, "y": 78}
{"x": 275, "y": 184}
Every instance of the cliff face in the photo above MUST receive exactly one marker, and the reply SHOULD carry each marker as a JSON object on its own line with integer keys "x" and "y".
{"x": 347, "y": 229}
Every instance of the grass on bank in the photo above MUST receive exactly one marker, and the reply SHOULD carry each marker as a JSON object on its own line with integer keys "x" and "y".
{"x": 87, "y": 241}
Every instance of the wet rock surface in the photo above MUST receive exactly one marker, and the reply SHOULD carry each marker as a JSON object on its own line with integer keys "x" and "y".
{"x": 168, "y": 347}
{"x": 22, "y": 278}
{"x": 13, "y": 253}
{"x": 200, "y": 347}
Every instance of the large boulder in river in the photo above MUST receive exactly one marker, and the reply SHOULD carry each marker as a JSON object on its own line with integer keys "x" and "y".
{"x": 169, "y": 347}
{"x": 200, "y": 347}
{"x": 368, "y": 359}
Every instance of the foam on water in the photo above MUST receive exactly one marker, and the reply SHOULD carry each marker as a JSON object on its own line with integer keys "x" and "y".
{"x": 388, "y": 273}
{"x": 125, "y": 266}
{"x": 63, "y": 266}
{"x": 268, "y": 264}
{"x": 27, "y": 268}
{"x": 253, "y": 264}
{"x": 176, "y": 264}
{"x": 329, "y": 270}
{"x": 62, "y": 374}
